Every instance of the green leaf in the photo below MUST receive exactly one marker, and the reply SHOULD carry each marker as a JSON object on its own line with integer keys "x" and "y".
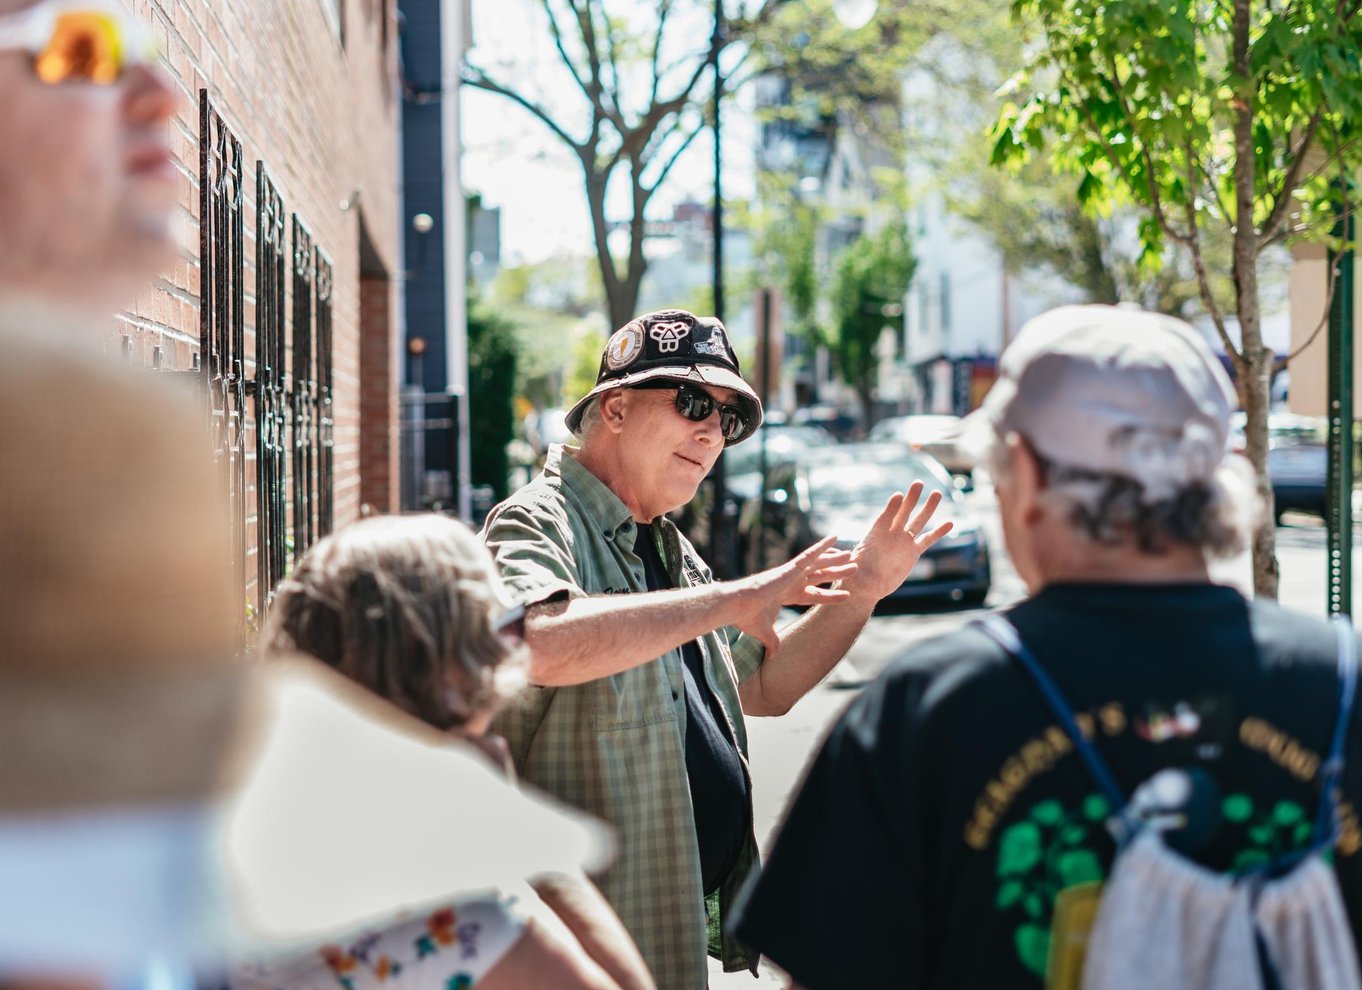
{"x": 1072, "y": 835}
{"x": 1237, "y": 807}
{"x": 1287, "y": 813}
{"x": 1019, "y": 849}
{"x": 1250, "y": 859}
{"x": 1033, "y": 947}
{"x": 1009, "y": 893}
{"x": 1079, "y": 866}
{"x": 1096, "y": 808}
{"x": 1048, "y": 812}
{"x": 1262, "y": 835}
{"x": 1034, "y": 906}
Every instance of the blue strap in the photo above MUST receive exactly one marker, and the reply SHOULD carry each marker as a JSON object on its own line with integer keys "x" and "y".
{"x": 1331, "y": 770}
{"x": 1000, "y": 629}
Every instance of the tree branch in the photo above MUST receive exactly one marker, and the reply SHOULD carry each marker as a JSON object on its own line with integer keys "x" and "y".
{"x": 680, "y": 150}
{"x": 1203, "y": 279}
{"x": 478, "y": 79}
{"x": 663, "y": 9}
{"x": 562, "y": 49}
{"x": 1156, "y": 203}
{"x": 1323, "y": 321}
{"x": 1281, "y": 202}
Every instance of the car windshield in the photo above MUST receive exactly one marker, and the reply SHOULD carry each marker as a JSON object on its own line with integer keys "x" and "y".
{"x": 780, "y": 443}
{"x": 844, "y": 485}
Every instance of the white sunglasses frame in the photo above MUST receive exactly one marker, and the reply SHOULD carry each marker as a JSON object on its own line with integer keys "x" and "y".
{"x": 31, "y": 29}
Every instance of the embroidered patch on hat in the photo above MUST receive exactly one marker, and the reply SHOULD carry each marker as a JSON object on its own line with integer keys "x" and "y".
{"x": 669, "y": 334}
{"x": 713, "y": 344}
{"x": 625, "y": 346}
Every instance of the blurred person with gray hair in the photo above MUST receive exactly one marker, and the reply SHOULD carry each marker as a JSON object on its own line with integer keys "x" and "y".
{"x": 162, "y": 803}
{"x": 411, "y": 608}
{"x": 969, "y": 840}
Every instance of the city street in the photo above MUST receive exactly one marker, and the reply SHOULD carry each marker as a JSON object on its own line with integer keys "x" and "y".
{"x": 780, "y": 747}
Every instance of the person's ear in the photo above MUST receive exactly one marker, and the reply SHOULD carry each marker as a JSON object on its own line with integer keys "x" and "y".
{"x": 613, "y": 404}
{"x": 1028, "y": 478}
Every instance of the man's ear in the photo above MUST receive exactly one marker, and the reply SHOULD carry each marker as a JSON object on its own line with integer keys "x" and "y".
{"x": 612, "y": 408}
{"x": 1028, "y": 477}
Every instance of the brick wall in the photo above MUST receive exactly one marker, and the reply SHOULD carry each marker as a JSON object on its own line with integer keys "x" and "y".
{"x": 322, "y": 114}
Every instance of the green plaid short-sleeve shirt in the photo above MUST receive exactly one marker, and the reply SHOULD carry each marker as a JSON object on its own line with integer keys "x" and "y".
{"x": 615, "y": 746}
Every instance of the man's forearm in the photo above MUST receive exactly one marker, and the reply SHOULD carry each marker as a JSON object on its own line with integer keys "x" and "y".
{"x": 583, "y": 639}
{"x": 809, "y": 648}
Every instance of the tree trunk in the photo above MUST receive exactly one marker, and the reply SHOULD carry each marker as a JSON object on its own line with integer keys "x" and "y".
{"x": 1256, "y": 367}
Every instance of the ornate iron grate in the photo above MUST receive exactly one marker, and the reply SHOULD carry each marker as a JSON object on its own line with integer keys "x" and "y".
{"x": 221, "y": 326}
{"x": 304, "y": 393}
{"x": 271, "y": 397}
{"x": 326, "y": 423}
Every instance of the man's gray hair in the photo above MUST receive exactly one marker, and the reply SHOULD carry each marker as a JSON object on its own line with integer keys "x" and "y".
{"x": 1216, "y": 515}
{"x": 591, "y": 418}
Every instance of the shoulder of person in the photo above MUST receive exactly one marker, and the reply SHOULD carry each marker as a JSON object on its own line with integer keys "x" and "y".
{"x": 1289, "y": 638}
{"x": 540, "y": 501}
{"x": 934, "y": 669}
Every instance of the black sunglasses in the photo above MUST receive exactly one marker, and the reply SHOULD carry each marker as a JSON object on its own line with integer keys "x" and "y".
{"x": 696, "y": 405}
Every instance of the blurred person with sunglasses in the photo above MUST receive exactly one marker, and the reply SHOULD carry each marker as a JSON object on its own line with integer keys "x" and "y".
{"x": 411, "y": 608}
{"x": 88, "y": 182}
{"x": 642, "y": 667}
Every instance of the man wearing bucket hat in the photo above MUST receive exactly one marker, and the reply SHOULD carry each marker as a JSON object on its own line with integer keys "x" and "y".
{"x": 643, "y": 667}
{"x": 163, "y": 803}
{"x": 974, "y": 831}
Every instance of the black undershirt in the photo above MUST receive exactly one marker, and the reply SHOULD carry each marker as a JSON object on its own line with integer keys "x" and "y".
{"x": 718, "y": 787}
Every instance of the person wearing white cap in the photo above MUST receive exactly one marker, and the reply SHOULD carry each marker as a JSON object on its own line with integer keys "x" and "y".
{"x": 643, "y": 667}
{"x": 952, "y": 832}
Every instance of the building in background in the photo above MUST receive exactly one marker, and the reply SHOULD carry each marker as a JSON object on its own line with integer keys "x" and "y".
{"x": 434, "y": 446}
{"x": 284, "y": 307}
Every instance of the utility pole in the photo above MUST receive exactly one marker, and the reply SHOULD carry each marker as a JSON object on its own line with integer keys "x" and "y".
{"x": 721, "y": 541}
{"x": 1339, "y": 516}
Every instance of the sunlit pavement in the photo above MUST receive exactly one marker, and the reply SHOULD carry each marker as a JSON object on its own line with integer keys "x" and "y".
{"x": 781, "y": 747}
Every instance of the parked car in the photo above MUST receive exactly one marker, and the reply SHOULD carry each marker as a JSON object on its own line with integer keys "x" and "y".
{"x": 1297, "y": 462}
{"x": 742, "y": 482}
{"x": 1300, "y": 477}
{"x": 936, "y": 436}
{"x": 840, "y": 490}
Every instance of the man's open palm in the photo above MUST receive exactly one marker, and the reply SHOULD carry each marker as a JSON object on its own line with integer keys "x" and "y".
{"x": 896, "y": 541}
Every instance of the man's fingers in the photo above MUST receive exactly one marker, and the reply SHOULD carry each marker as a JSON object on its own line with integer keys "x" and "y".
{"x": 831, "y": 572}
{"x": 826, "y": 543}
{"x": 924, "y": 515}
{"x": 924, "y": 542}
{"x": 889, "y": 513}
{"x": 910, "y": 501}
{"x": 814, "y": 595}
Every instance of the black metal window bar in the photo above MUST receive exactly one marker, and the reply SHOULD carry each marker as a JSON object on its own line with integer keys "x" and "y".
{"x": 304, "y": 392}
{"x": 271, "y": 398}
{"x": 326, "y": 423}
{"x": 221, "y": 306}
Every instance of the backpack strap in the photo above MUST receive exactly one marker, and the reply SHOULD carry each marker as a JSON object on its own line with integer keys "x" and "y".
{"x": 1331, "y": 770}
{"x": 1000, "y": 629}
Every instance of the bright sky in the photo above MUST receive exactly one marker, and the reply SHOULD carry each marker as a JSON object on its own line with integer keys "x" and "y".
{"x": 516, "y": 163}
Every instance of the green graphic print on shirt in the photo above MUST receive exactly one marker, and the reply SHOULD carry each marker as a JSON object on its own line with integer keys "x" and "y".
{"x": 1054, "y": 849}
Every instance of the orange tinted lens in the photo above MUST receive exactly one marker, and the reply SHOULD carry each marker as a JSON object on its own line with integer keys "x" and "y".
{"x": 84, "y": 47}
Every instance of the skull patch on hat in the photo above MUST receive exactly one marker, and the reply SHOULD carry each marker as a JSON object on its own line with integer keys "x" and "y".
{"x": 669, "y": 334}
{"x": 710, "y": 340}
{"x": 625, "y": 346}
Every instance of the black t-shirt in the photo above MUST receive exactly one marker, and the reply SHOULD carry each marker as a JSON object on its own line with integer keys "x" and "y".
{"x": 718, "y": 785}
{"x": 947, "y": 810}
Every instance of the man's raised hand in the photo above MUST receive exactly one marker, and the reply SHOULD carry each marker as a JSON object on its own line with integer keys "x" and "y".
{"x": 796, "y": 582}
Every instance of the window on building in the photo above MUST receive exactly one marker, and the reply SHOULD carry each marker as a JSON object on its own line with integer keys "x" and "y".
{"x": 221, "y": 308}
{"x": 326, "y": 424}
{"x": 271, "y": 397}
{"x": 303, "y": 389}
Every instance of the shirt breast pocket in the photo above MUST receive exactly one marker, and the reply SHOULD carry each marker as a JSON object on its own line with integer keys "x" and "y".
{"x": 638, "y": 697}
